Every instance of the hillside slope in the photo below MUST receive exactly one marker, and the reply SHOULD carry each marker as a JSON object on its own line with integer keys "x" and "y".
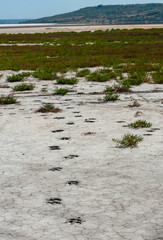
{"x": 111, "y": 14}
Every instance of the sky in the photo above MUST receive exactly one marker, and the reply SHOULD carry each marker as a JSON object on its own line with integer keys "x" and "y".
{"x": 32, "y": 9}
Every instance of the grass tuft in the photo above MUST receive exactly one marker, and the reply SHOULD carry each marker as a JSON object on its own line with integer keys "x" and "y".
{"x": 24, "y": 87}
{"x": 140, "y": 124}
{"x": 128, "y": 140}
{"x": 18, "y": 77}
{"x": 83, "y": 73}
{"x": 61, "y": 91}
{"x": 69, "y": 81}
{"x": 7, "y": 100}
{"x": 157, "y": 77}
{"x": 44, "y": 74}
{"x": 110, "y": 96}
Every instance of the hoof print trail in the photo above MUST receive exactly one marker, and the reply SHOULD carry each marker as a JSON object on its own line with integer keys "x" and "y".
{"x": 89, "y": 133}
{"x": 54, "y": 148}
{"x": 57, "y": 131}
{"x": 73, "y": 182}
{"x": 75, "y": 220}
{"x": 55, "y": 201}
{"x": 71, "y": 156}
{"x": 78, "y": 116}
{"x": 57, "y": 169}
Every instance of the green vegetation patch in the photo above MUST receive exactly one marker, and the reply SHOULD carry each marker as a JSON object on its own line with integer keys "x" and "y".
{"x": 61, "y": 91}
{"x": 83, "y": 73}
{"x": 69, "y": 81}
{"x": 140, "y": 124}
{"x": 7, "y": 100}
{"x": 44, "y": 74}
{"x": 101, "y": 75}
{"x": 24, "y": 87}
{"x": 18, "y": 77}
{"x": 128, "y": 140}
{"x": 110, "y": 96}
{"x": 157, "y": 77}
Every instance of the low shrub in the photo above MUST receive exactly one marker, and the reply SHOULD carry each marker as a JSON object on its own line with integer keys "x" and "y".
{"x": 69, "y": 81}
{"x": 128, "y": 140}
{"x": 24, "y": 87}
{"x": 48, "y": 108}
{"x": 140, "y": 124}
{"x": 61, "y": 91}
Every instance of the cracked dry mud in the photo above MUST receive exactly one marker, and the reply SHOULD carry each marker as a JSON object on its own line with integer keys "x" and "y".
{"x": 120, "y": 192}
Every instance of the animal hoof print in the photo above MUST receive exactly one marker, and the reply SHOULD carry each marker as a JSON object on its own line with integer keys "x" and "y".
{"x": 75, "y": 220}
{"x": 57, "y": 131}
{"x": 72, "y": 182}
{"x": 90, "y": 120}
{"x": 55, "y": 201}
{"x": 55, "y": 169}
{"x": 71, "y": 156}
{"x": 54, "y": 148}
{"x": 65, "y": 138}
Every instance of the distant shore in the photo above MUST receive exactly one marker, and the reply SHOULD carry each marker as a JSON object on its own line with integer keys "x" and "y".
{"x": 45, "y": 28}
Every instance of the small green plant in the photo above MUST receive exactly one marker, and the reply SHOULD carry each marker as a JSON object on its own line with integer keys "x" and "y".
{"x": 69, "y": 81}
{"x": 44, "y": 90}
{"x": 48, "y": 108}
{"x": 157, "y": 77}
{"x": 110, "y": 96}
{"x": 83, "y": 73}
{"x": 18, "y": 77}
{"x": 61, "y": 91}
{"x": 1, "y": 75}
{"x": 140, "y": 124}
{"x": 128, "y": 140}
{"x": 7, "y": 100}
{"x": 44, "y": 74}
{"x": 24, "y": 87}
{"x": 97, "y": 77}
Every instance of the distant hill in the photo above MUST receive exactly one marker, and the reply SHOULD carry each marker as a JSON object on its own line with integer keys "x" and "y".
{"x": 12, "y": 21}
{"x": 110, "y": 14}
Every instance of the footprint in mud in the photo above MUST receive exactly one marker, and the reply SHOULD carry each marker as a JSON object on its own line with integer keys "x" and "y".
{"x": 155, "y": 129}
{"x": 59, "y": 118}
{"x": 78, "y": 116}
{"x": 147, "y": 134}
{"x": 150, "y": 130}
{"x": 72, "y": 182}
{"x": 75, "y": 220}
{"x": 71, "y": 156}
{"x": 54, "y": 201}
{"x": 70, "y": 123}
{"x": 65, "y": 138}
{"x": 54, "y": 148}
{"x": 57, "y": 131}
{"x": 55, "y": 169}
{"x": 70, "y": 107}
{"x": 90, "y": 120}
{"x": 89, "y": 133}
{"x": 76, "y": 112}
{"x": 120, "y": 121}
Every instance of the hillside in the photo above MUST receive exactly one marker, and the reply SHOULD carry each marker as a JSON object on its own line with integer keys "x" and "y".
{"x": 110, "y": 14}
{"x": 12, "y": 21}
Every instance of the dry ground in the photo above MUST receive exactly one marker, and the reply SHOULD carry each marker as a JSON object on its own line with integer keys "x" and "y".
{"x": 119, "y": 191}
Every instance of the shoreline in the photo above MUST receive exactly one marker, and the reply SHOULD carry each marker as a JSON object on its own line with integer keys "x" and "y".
{"x": 46, "y": 28}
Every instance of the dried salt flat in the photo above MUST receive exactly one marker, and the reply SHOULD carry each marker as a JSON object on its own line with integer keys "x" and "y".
{"x": 114, "y": 193}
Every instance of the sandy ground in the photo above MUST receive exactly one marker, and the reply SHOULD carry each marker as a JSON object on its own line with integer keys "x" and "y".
{"x": 76, "y": 28}
{"x": 119, "y": 192}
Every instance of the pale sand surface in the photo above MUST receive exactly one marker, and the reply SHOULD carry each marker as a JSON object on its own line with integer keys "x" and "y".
{"x": 76, "y": 28}
{"x": 120, "y": 192}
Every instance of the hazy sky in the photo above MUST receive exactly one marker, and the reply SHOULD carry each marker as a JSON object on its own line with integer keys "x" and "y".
{"x": 12, "y": 9}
